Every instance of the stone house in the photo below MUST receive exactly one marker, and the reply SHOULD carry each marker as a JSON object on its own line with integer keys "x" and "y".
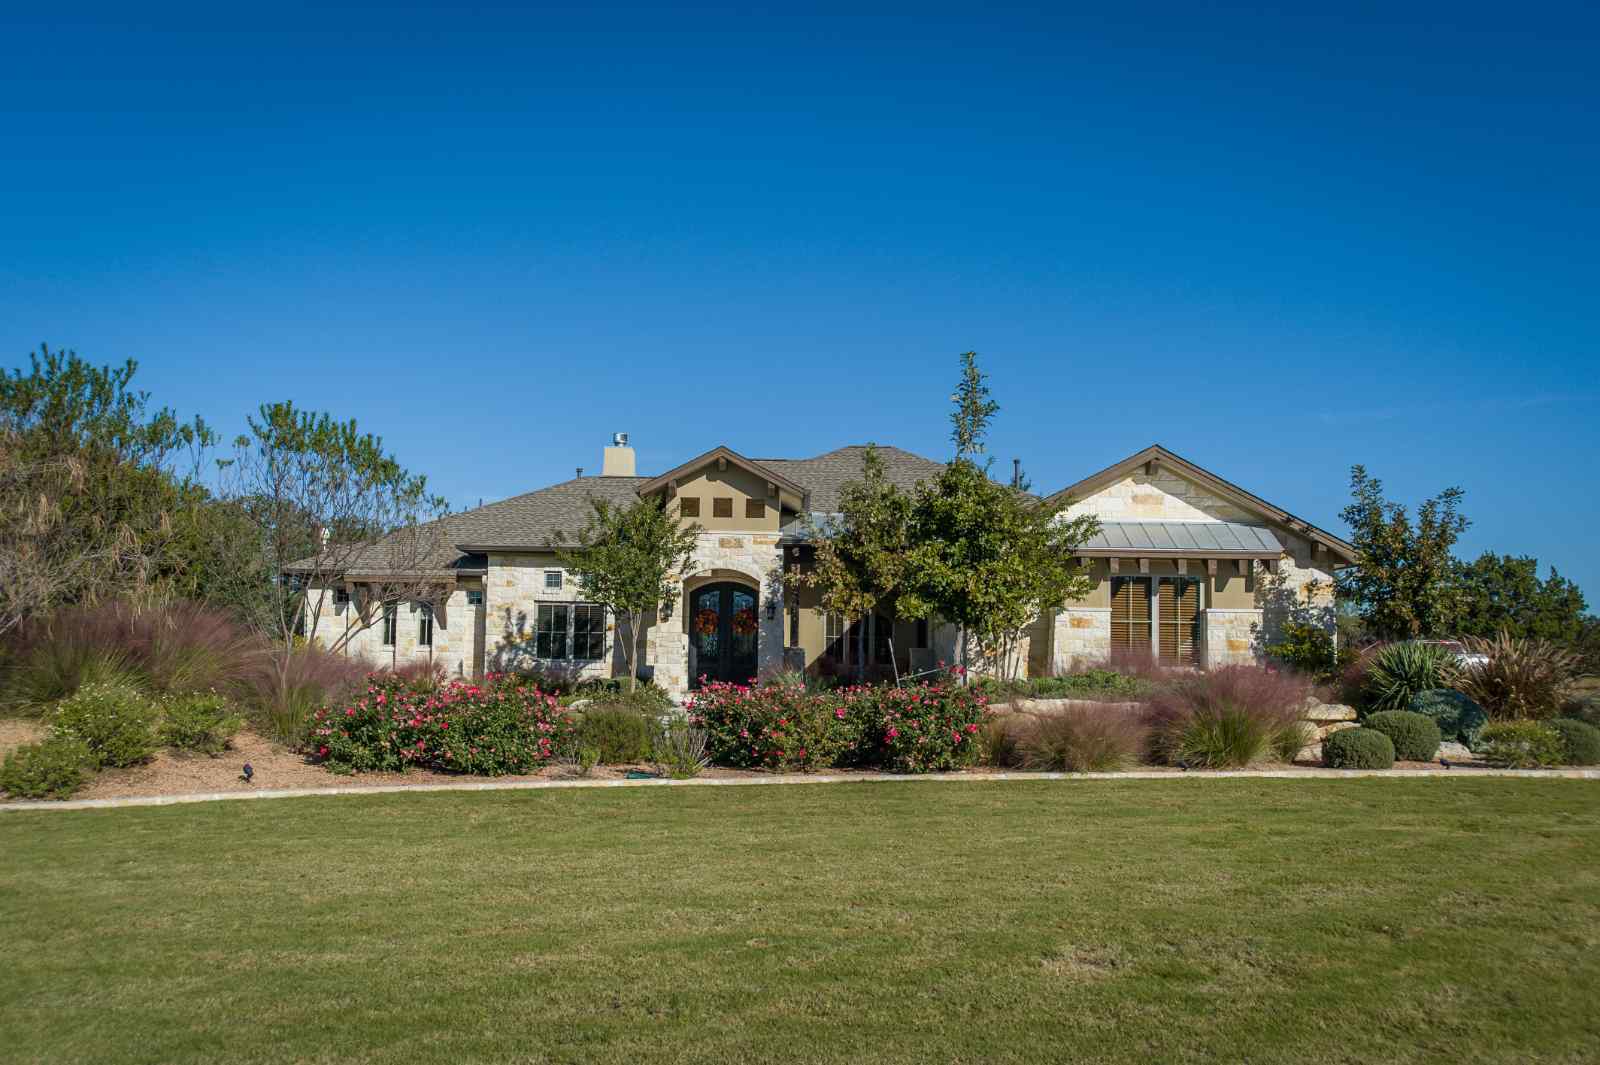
{"x": 1188, "y": 568}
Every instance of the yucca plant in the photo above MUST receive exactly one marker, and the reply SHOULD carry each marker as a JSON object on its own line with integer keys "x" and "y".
{"x": 1518, "y": 679}
{"x": 1400, "y": 671}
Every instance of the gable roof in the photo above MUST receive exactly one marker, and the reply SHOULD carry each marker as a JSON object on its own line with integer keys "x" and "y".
{"x": 1201, "y": 476}
{"x": 827, "y": 474}
{"x": 730, "y": 456}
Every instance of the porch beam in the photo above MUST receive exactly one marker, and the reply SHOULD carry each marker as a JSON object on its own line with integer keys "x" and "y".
{"x": 1183, "y": 565}
{"x": 1144, "y": 565}
{"x": 1244, "y": 567}
{"x": 1211, "y": 567}
{"x": 1116, "y": 563}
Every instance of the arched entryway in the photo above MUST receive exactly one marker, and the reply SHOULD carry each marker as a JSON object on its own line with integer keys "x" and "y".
{"x": 724, "y": 629}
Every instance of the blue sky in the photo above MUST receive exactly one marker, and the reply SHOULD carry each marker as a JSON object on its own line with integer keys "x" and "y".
{"x": 1279, "y": 244}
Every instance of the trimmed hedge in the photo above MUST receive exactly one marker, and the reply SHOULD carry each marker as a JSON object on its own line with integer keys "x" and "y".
{"x": 1459, "y": 718}
{"x": 1580, "y": 739}
{"x": 1358, "y": 748}
{"x": 1415, "y": 736}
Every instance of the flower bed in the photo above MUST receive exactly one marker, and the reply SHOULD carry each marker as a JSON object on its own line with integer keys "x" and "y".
{"x": 502, "y": 725}
{"x": 918, "y": 728}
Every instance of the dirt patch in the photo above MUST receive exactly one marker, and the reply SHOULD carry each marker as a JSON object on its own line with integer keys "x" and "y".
{"x": 15, "y": 731}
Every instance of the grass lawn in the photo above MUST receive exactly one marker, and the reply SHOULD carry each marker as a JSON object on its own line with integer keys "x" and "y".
{"x": 1225, "y": 920}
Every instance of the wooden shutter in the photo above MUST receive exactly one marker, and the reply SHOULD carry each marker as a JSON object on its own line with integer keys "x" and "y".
{"x": 1180, "y": 606}
{"x": 1130, "y": 614}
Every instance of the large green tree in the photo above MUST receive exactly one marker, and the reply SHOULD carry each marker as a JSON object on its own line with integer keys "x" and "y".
{"x": 1499, "y": 593}
{"x": 1403, "y": 584}
{"x": 985, "y": 556}
{"x": 631, "y": 559}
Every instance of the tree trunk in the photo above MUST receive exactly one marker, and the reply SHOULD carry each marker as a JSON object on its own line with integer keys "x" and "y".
{"x": 861, "y": 649}
{"x": 635, "y": 623}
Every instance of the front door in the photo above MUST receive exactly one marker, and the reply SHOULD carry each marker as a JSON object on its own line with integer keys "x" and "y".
{"x": 723, "y": 625}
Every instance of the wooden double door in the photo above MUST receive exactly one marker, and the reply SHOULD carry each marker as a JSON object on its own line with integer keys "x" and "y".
{"x": 1157, "y": 615}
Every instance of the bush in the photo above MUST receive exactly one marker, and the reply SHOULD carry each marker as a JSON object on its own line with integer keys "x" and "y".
{"x": 1000, "y": 741}
{"x": 925, "y": 728}
{"x": 1458, "y": 717}
{"x": 1094, "y": 683}
{"x": 1415, "y": 736}
{"x": 1309, "y": 649}
{"x": 1292, "y": 738}
{"x": 1357, "y": 748}
{"x": 1522, "y": 744}
{"x": 202, "y": 723}
{"x": 1398, "y": 672}
{"x": 1521, "y": 679}
{"x": 283, "y": 694}
{"x": 1083, "y": 739}
{"x": 1579, "y": 739}
{"x": 620, "y": 733}
{"x": 1584, "y": 708}
{"x": 116, "y": 723}
{"x": 501, "y": 726}
{"x": 53, "y": 769}
{"x": 1226, "y": 718}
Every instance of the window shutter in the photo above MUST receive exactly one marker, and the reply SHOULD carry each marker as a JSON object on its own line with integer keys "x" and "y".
{"x": 1180, "y": 607}
{"x": 1130, "y": 614}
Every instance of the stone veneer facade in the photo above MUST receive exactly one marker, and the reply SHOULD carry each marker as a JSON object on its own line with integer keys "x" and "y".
{"x": 457, "y": 630}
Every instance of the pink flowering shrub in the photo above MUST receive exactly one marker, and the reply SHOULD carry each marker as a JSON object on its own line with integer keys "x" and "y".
{"x": 915, "y": 729}
{"x": 501, "y": 725}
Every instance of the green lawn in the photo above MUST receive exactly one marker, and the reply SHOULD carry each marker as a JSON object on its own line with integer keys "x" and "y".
{"x": 1226, "y": 920}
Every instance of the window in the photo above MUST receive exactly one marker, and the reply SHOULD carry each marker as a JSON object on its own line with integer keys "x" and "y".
{"x": 552, "y": 579}
{"x": 550, "y": 632}
{"x": 1130, "y": 614}
{"x": 689, "y": 507}
{"x": 794, "y": 626}
{"x": 474, "y": 598}
{"x": 389, "y": 618}
{"x": 722, "y": 508}
{"x": 922, "y": 632}
{"x": 341, "y": 597}
{"x": 588, "y": 632}
{"x": 425, "y": 626}
{"x": 1177, "y": 609}
{"x": 833, "y": 635}
{"x": 882, "y": 640}
{"x": 755, "y": 508}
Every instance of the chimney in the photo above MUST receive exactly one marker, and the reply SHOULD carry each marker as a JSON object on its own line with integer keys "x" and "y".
{"x": 618, "y": 458}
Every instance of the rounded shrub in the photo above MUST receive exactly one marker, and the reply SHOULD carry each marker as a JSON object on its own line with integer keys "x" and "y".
{"x": 1580, "y": 739}
{"x": 1459, "y": 718}
{"x": 202, "y": 722}
{"x": 1522, "y": 745}
{"x": 1358, "y": 748}
{"x": 116, "y": 722}
{"x": 1585, "y": 708}
{"x": 1415, "y": 736}
{"x": 1400, "y": 671}
{"x": 53, "y": 769}
{"x": 620, "y": 733}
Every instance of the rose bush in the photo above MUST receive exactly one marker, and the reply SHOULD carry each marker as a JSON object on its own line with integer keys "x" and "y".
{"x": 780, "y": 726}
{"x": 501, "y": 725}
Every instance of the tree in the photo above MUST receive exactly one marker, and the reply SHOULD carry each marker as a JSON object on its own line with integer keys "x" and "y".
{"x": 862, "y": 557}
{"x": 1500, "y": 593}
{"x": 329, "y": 505}
{"x": 92, "y": 500}
{"x": 987, "y": 557}
{"x": 1403, "y": 583}
{"x": 631, "y": 559}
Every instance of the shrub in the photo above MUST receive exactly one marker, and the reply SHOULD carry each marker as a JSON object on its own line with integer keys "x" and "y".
{"x": 925, "y": 728}
{"x": 1290, "y": 739}
{"x": 782, "y": 727}
{"x": 1520, "y": 679}
{"x": 116, "y": 723}
{"x": 1415, "y": 736}
{"x": 1458, "y": 717}
{"x": 1083, "y": 739}
{"x": 1226, "y": 718}
{"x": 1584, "y": 708}
{"x": 1397, "y": 672}
{"x": 1309, "y": 649}
{"x": 53, "y": 769}
{"x": 1579, "y": 739}
{"x": 1092, "y": 683}
{"x": 1357, "y": 748}
{"x": 501, "y": 726}
{"x": 620, "y": 733}
{"x": 204, "y": 723}
{"x": 680, "y": 750}
{"x": 282, "y": 694}
{"x": 1522, "y": 744}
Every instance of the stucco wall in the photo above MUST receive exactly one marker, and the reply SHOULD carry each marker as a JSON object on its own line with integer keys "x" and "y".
{"x": 735, "y": 484}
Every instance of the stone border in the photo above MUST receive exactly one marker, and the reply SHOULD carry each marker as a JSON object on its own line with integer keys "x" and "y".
{"x": 1310, "y": 773}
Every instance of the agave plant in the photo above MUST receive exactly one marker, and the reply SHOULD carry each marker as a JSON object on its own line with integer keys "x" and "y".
{"x": 1401, "y": 671}
{"x": 1515, "y": 678}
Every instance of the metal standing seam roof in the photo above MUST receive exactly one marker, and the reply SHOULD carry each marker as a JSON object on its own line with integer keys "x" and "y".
{"x": 1200, "y": 537}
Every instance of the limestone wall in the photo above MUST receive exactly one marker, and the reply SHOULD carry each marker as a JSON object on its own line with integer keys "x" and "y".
{"x": 513, "y": 589}
{"x": 1162, "y": 497}
{"x": 455, "y": 629}
{"x": 1082, "y": 636}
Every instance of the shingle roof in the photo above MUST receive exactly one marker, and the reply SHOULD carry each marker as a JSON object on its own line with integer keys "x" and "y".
{"x": 826, "y": 475}
{"x": 1200, "y": 537}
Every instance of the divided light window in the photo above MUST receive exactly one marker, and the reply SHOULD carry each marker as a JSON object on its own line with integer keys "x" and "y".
{"x": 389, "y": 619}
{"x": 425, "y": 626}
{"x": 550, "y": 631}
{"x": 882, "y": 636}
{"x": 588, "y": 632}
{"x": 1130, "y": 614}
{"x": 833, "y": 635}
{"x": 552, "y": 579}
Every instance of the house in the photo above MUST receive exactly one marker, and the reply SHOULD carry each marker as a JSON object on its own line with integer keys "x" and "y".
{"x": 1187, "y": 567}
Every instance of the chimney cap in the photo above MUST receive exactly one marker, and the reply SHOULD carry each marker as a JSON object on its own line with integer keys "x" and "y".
{"x": 619, "y": 439}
